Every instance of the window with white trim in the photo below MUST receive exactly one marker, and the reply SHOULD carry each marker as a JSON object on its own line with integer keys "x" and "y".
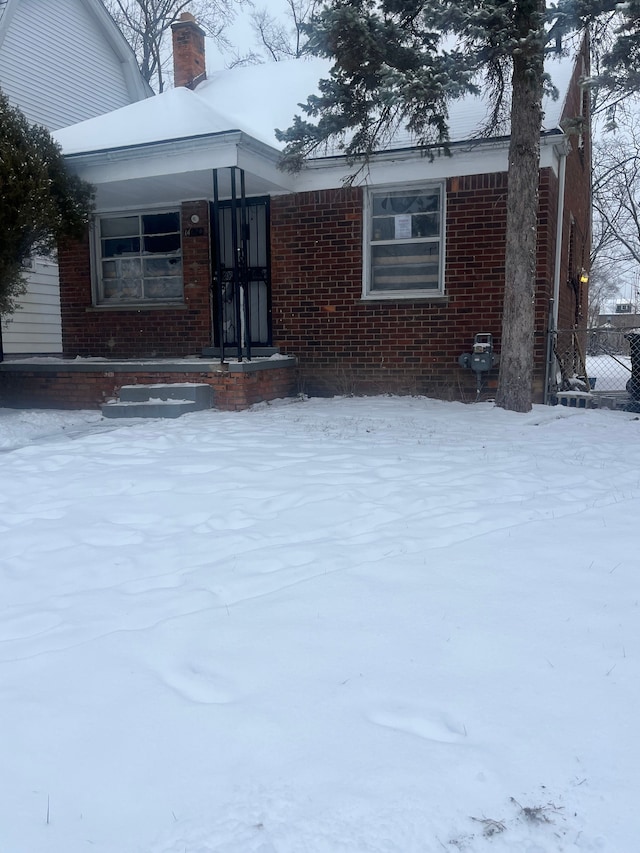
{"x": 405, "y": 242}
{"x": 139, "y": 258}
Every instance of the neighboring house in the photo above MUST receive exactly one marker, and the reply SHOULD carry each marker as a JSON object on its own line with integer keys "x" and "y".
{"x": 60, "y": 62}
{"x": 620, "y": 313}
{"x": 377, "y": 286}
{"x": 617, "y": 317}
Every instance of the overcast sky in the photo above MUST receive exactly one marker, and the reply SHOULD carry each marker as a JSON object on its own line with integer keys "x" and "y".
{"x": 241, "y": 37}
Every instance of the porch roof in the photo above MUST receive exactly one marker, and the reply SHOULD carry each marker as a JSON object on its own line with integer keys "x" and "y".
{"x": 166, "y": 172}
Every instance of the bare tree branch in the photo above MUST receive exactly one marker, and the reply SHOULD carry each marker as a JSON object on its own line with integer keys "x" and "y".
{"x": 282, "y": 34}
{"x": 146, "y": 25}
{"x": 615, "y": 251}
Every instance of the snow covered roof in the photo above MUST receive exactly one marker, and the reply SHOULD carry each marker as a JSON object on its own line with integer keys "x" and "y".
{"x": 256, "y": 100}
{"x": 620, "y": 306}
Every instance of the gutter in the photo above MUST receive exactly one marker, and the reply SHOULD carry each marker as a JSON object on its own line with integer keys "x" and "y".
{"x": 184, "y": 142}
{"x": 239, "y": 138}
{"x": 435, "y": 149}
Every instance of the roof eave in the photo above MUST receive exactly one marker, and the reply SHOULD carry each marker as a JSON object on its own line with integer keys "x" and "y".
{"x": 165, "y": 158}
{"x": 554, "y": 136}
{"x": 179, "y": 145}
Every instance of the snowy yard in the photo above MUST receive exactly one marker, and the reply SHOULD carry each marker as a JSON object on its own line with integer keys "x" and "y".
{"x": 611, "y": 372}
{"x": 334, "y": 626}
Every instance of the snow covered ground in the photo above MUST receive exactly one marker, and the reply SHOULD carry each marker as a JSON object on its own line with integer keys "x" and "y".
{"x": 611, "y": 372}
{"x": 328, "y": 626}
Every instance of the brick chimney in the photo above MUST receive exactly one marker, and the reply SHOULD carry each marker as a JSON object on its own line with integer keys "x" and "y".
{"x": 189, "y": 65}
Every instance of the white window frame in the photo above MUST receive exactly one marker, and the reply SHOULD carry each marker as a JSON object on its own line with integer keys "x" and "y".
{"x": 97, "y": 260}
{"x": 369, "y": 242}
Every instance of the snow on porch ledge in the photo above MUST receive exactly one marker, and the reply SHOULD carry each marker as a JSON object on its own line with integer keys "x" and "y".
{"x": 88, "y": 382}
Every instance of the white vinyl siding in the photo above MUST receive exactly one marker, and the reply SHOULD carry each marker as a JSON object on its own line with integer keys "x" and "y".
{"x": 61, "y": 61}
{"x": 57, "y": 65}
{"x": 35, "y": 327}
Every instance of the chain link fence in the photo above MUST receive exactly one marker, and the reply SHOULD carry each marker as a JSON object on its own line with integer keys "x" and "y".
{"x": 601, "y": 364}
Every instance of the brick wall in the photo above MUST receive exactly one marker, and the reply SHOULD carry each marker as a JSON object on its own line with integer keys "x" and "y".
{"x": 141, "y": 332}
{"x": 189, "y": 62}
{"x": 545, "y": 266}
{"x": 572, "y": 307}
{"x": 345, "y": 344}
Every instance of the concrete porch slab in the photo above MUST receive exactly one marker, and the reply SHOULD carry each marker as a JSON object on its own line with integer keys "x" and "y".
{"x": 90, "y": 382}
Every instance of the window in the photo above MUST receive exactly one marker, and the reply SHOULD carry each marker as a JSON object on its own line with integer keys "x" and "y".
{"x": 405, "y": 243}
{"x": 139, "y": 258}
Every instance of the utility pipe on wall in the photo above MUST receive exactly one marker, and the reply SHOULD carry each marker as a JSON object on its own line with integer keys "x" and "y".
{"x": 563, "y": 151}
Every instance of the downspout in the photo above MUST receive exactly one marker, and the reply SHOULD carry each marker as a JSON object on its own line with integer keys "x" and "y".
{"x": 562, "y": 150}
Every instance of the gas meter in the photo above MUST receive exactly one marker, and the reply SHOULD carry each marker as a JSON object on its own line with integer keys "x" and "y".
{"x": 482, "y": 354}
{"x": 481, "y": 358}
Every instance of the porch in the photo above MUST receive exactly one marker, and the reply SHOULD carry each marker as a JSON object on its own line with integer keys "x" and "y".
{"x": 88, "y": 383}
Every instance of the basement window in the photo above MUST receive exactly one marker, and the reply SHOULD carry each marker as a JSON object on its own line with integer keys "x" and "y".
{"x": 139, "y": 258}
{"x": 404, "y": 250}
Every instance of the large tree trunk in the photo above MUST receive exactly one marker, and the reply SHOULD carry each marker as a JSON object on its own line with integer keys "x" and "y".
{"x": 516, "y": 358}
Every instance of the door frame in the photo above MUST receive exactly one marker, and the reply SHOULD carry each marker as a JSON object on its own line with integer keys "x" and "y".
{"x": 233, "y": 285}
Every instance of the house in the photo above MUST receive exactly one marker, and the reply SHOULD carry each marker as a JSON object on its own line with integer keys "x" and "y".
{"x": 621, "y": 312}
{"x": 618, "y": 316}
{"x": 202, "y": 246}
{"x": 60, "y": 63}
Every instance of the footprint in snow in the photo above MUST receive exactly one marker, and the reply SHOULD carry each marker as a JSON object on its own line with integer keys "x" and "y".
{"x": 197, "y": 683}
{"x": 435, "y": 726}
{"x": 27, "y": 626}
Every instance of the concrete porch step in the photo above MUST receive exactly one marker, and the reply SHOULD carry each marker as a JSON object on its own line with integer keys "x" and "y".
{"x": 200, "y": 393}
{"x": 150, "y": 409}
{"x": 159, "y": 401}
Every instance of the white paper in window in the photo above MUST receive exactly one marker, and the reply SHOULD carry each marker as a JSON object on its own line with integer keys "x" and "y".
{"x": 402, "y": 227}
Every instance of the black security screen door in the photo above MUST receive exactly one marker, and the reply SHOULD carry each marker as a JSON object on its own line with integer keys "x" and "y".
{"x": 241, "y": 280}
